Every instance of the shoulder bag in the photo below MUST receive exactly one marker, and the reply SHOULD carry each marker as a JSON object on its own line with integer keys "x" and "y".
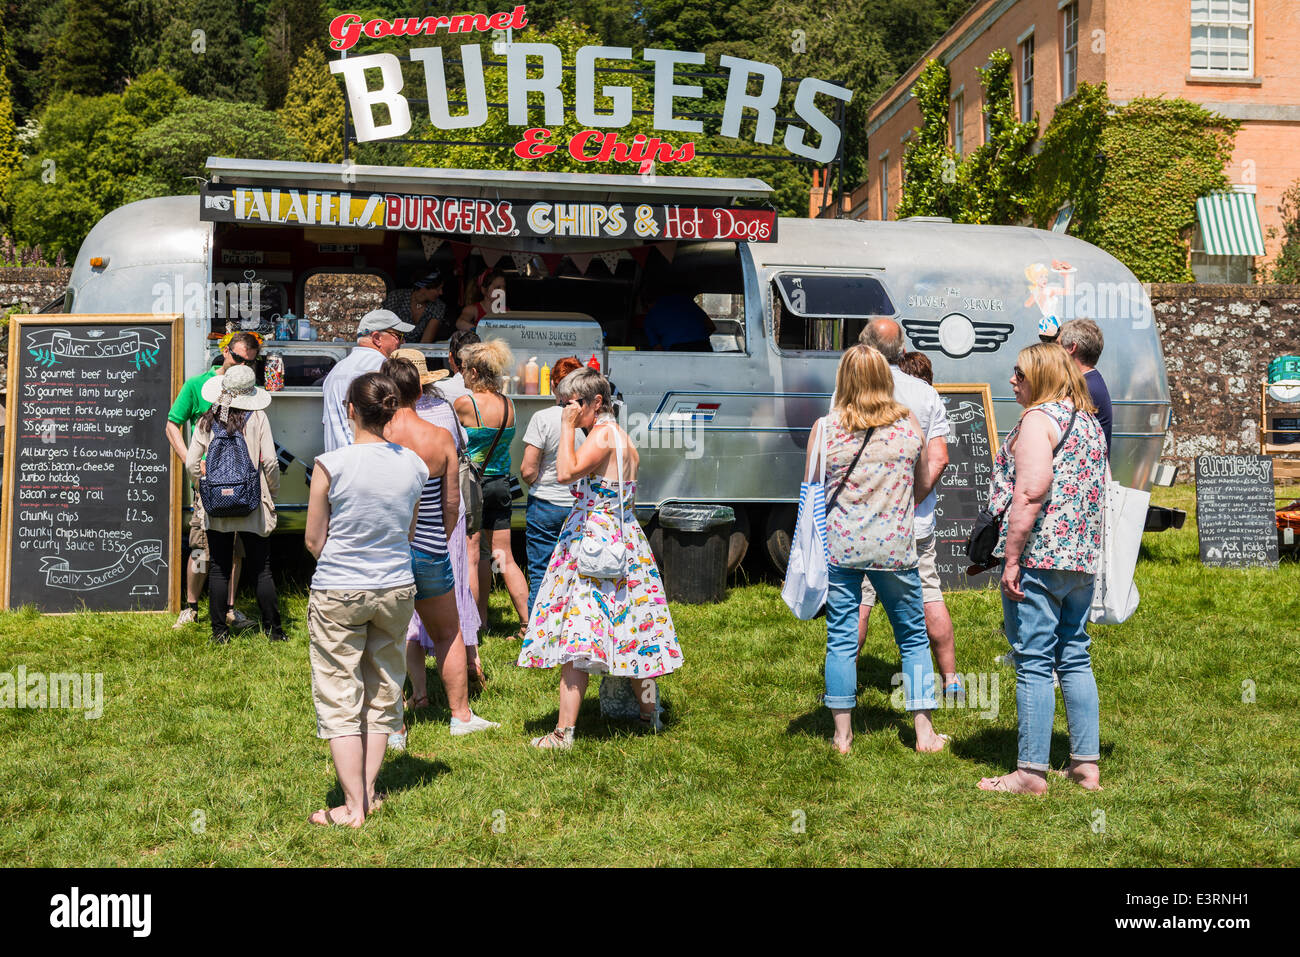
{"x": 471, "y": 476}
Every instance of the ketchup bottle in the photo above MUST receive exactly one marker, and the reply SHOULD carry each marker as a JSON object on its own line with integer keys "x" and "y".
{"x": 593, "y": 362}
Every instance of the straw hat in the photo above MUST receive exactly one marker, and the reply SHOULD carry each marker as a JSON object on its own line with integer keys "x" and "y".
{"x": 237, "y": 389}
{"x": 416, "y": 358}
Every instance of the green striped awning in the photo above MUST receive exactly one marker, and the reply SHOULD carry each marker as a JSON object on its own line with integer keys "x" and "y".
{"x": 1230, "y": 224}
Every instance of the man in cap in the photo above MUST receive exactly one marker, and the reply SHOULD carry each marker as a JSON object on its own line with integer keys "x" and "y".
{"x": 422, "y": 306}
{"x": 379, "y": 334}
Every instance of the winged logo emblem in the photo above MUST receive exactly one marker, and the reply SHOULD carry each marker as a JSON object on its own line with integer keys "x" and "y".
{"x": 956, "y": 335}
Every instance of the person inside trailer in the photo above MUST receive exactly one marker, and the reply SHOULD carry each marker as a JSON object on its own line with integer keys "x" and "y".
{"x": 675, "y": 323}
{"x": 423, "y": 307}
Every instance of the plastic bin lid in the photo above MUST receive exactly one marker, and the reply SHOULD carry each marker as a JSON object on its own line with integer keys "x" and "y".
{"x": 695, "y": 518}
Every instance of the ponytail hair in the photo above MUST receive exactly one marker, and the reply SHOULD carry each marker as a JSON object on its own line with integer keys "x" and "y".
{"x": 374, "y": 399}
{"x": 406, "y": 377}
{"x": 484, "y": 363}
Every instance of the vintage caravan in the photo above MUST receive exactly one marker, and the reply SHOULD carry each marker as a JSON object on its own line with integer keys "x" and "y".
{"x": 724, "y": 426}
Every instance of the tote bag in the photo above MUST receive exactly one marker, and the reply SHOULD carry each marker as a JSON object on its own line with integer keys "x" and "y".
{"x": 1115, "y": 596}
{"x": 806, "y": 579}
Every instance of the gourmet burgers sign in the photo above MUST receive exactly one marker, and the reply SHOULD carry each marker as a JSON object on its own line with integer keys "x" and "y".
{"x": 376, "y": 79}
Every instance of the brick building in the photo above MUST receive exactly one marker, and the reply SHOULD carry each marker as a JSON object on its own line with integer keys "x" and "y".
{"x": 1239, "y": 58}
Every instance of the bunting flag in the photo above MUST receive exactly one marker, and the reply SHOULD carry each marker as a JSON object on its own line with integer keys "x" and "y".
{"x": 431, "y": 244}
{"x": 582, "y": 261}
{"x": 640, "y": 254}
{"x": 552, "y": 261}
{"x": 668, "y": 250}
{"x": 491, "y": 256}
{"x": 459, "y": 251}
{"x": 610, "y": 258}
{"x": 520, "y": 259}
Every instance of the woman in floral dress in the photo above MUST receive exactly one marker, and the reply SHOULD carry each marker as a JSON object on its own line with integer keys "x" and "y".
{"x": 589, "y": 625}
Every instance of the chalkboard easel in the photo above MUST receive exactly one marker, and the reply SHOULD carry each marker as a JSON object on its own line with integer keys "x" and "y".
{"x": 92, "y": 491}
{"x": 963, "y": 488}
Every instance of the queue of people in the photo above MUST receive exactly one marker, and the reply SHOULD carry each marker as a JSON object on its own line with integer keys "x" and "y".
{"x": 400, "y": 575}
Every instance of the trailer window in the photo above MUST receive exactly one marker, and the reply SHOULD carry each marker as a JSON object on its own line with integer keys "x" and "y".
{"x": 336, "y": 301}
{"x": 824, "y": 312}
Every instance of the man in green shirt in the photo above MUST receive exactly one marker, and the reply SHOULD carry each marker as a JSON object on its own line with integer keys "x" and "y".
{"x": 185, "y": 411}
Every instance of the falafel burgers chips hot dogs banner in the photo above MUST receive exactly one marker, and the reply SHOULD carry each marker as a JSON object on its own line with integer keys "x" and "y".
{"x": 535, "y": 219}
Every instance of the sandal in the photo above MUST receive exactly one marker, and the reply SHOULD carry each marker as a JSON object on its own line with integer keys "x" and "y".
{"x": 415, "y": 704}
{"x": 561, "y": 739}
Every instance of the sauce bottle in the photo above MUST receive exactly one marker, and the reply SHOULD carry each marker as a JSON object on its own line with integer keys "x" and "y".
{"x": 530, "y": 376}
{"x": 544, "y": 381}
{"x": 593, "y": 362}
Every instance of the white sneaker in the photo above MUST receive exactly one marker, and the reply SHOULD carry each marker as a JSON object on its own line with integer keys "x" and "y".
{"x": 475, "y": 723}
{"x": 237, "y": 620}
{"x": 188, "y": 616}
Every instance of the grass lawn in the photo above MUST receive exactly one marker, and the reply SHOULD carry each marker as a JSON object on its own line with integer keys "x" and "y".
{"x": 207, "y": 755}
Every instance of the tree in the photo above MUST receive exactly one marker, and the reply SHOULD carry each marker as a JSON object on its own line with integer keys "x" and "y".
{"x": 929, "y": 164}
{"x": 1286, "y": 268}
{"x": 204, "y": 48}
{"x": 10, "y": 157}
{"x": 996, "y": 180}
{"x": 1069, "y": 167}
{"x": 86, "y": 53}
{"x": 292, "y": 27}
{"x": 314, "y": 108}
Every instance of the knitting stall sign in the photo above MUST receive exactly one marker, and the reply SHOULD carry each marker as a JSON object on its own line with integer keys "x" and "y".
{"x": 375, "y": 80}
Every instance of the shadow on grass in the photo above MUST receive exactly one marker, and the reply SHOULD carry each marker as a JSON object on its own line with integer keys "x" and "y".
{"x": 400, "y": 772}
{"x": 867, "y": 719}
{"x": 594, "y": 725}
{"x": 1000, "y": 747}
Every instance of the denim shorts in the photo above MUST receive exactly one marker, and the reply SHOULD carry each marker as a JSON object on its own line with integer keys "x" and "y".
{"x": 433, "y": 575}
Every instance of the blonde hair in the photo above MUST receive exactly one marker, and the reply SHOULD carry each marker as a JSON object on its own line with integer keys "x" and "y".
{"x": 486, "y": 362}
{"x": 1051, "y": 375}
{"x": 864, "y": 391}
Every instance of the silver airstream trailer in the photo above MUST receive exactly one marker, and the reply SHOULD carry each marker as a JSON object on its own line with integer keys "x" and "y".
{"x": 725, "y": 426}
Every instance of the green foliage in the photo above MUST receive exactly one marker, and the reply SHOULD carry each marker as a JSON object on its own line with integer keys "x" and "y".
{"x": 175, "y": 149}
{"x": 87, "y": 51}
{"x": 1069, "y": 167}
{"x": 929, "y": 166}
{"x": 1286, "y": 268}
{"x": 996, "y": 179}
{"x": 10, "y": 155}
{"x": 216, "y": 63}
{"x": 292, "y": 28}
{"x": 314, "y": 109}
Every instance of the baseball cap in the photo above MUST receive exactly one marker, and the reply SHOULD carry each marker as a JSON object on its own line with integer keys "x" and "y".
{"x": 434, "y": 278}
{"x": 377, "y": 320}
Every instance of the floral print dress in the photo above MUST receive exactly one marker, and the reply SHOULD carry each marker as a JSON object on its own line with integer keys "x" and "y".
{"x": 617, "y": 627}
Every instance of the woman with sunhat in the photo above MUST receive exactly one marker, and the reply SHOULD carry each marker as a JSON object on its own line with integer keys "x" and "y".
{"x": 237, "y": 405}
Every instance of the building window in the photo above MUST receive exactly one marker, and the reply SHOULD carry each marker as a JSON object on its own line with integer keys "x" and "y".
{"x": 1223, "y": 37}
{"x": 958, "y": 123}
{"x": 1069, "y": 50}
{"x": 884, "y": 187}
{"x": 1027, "y": 79}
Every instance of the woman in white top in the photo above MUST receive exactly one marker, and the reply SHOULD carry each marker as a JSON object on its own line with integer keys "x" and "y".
{"x": 237, "y": 411}
{"x": 360, "y": 516}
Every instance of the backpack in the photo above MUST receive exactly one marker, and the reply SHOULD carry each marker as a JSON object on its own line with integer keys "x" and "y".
{"x": 232, "y": 484}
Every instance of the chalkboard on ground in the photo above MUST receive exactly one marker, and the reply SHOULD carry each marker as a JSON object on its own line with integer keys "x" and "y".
{"x": 91, "y": 488}
{"x": 1236, "y": 511}
{"x": 963, "y": 488}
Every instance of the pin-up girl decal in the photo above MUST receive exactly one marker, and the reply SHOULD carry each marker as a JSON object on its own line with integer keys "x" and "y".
{"x": 1048, "y": 298}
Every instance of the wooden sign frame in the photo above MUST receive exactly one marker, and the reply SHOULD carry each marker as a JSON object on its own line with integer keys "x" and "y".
{"x": 17, "y": 323}
{"x": 986, "y": 395}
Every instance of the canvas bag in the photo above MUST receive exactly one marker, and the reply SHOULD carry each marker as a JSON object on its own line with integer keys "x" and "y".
{"x": 231, "y": 486}
{"x": 598, "y": 555}
{"x": 1115, "y": 596}
{"x": 806, "y": 573}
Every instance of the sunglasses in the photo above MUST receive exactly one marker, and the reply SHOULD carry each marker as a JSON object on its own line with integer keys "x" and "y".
{"x": 389, "y": 332}
{"x": 242, "y": 360}
{"x": 1017, "y": 374}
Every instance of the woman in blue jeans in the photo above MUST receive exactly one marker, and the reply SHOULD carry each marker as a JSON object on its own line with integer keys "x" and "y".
{"x": 549, "y": 502}
{"x": 1049, "y": 484}
{"x": 875, "y": 475}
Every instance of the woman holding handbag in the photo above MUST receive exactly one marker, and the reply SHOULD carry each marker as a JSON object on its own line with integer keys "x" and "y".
{"x": 601, "y": 608}
{"x": 489, "y": 419}
{"x": 1049, "y": 486}
{"x": 875, "y": 474}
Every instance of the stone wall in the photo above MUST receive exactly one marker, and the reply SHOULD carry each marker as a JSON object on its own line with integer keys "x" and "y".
{"x": 1218, "y": 342}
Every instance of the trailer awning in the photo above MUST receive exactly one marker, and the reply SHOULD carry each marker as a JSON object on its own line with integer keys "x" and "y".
{"x": 490, "y": 184}
{"x": 1230, "y": 224}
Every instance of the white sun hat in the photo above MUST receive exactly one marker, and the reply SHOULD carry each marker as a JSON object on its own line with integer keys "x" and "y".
{"x": 237, "y": 389}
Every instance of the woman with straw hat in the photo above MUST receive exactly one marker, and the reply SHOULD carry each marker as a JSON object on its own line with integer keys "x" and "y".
{"x": 236, "y": 412}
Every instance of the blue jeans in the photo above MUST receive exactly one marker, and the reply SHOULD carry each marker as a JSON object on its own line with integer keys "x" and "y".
{"x": 900, "y": 594}
{"x": 1047, "y": 630}
{"x": 545, "y": 521}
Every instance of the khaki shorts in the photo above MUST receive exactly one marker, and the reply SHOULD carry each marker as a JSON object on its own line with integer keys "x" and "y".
{"x": 358, "y": 658}
{"x": 926, "y": 556}
{"x": 199, "y": 535}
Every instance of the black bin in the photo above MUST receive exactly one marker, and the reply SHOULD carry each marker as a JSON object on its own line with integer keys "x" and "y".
{"x": 695, "y": 545}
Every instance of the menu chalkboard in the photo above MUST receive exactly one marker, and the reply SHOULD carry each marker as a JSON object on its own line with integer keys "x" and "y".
{"x": 91, "y": 490}
{"x": 1236, "y": 511}
{"x": 964, "y": 486}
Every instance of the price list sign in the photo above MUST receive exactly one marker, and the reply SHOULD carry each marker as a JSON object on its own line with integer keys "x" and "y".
{"x": 964, "y": 486}
{"x": 91, "y": 491}
{"x": 1236, "y": 511}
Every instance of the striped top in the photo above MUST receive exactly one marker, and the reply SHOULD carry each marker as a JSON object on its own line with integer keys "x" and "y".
{"x": 430, "y": 535}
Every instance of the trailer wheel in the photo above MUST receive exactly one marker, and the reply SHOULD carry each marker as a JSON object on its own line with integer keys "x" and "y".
{"x": 779, "y": 533}
{"x": 738, "y": 547}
